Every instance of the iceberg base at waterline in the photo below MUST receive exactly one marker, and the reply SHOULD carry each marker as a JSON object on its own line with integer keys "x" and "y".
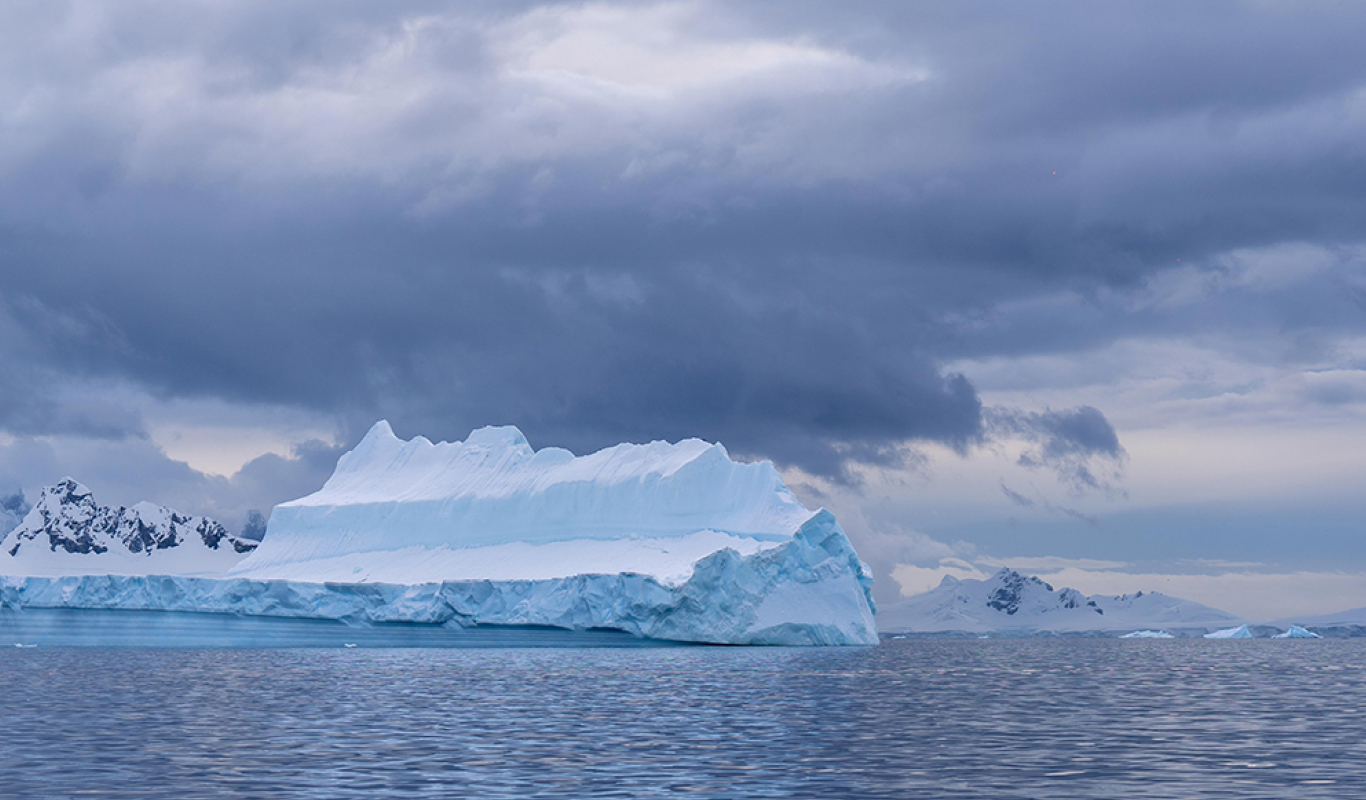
{"x": 812, "y": 590}
{"x": 83, "y": 627}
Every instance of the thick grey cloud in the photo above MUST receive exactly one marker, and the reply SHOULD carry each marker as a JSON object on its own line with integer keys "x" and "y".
{"x": 773, "y": 226}
{"x": 1073, "y": 443}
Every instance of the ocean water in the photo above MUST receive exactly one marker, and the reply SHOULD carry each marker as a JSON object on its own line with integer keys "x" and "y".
{"x": 927, "y": 718}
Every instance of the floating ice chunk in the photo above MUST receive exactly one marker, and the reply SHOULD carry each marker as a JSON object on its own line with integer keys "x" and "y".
{"x": 1240, "y": 632}
{"x": 1148, "y": 635}
{"x": 1296, "y": 632}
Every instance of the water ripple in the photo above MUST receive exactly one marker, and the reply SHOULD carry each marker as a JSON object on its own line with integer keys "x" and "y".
{"x": 913, "y": 718}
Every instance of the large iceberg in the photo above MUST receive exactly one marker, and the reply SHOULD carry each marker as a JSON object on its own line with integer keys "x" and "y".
{"x": 667, "y": 541}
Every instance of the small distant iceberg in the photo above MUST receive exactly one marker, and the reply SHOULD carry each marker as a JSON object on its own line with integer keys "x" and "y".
{"x": 1148, "y": 635}
{"x": 1296, "y": 632}
{"x": 1240, "y": 632}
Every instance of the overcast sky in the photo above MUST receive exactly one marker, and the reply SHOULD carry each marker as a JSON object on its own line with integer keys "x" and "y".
{"x": 1076, "y": 288}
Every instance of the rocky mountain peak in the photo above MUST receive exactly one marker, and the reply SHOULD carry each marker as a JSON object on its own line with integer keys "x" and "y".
{"x": 66, "y": 518}
{"x": 1010, "y": 589}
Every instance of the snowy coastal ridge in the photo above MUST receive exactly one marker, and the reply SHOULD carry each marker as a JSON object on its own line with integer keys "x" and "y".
{"x": 665, "y": 541}
{"x": 1010, "y": 604}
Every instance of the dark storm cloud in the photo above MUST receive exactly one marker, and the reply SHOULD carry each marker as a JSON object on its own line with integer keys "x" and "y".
{"x": 396, "y": 211}
{"x": 1079, "y": 444}
{"x": 46, "y": 355}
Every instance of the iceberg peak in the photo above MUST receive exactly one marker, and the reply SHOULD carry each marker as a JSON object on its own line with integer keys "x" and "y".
{"x": 380, "y": 430}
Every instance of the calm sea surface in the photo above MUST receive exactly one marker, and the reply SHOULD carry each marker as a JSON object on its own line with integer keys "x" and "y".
{"x": 913, "y": 718}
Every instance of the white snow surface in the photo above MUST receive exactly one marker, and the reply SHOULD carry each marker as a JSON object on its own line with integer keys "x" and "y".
{"x": 1012, "y": 603}
{"x": 491, "y": 507}
{"x": 68, "y": 533}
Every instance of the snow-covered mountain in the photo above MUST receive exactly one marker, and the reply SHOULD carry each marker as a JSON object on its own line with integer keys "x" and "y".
{"x": 1009, "y": 602}
{"x": 67, "y": 533}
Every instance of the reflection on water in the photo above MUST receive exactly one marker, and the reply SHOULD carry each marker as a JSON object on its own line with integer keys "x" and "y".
{"x": 912, "y": 718}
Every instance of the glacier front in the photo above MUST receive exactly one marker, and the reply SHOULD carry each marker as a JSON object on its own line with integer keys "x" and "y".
{"x": 666, "y": 541}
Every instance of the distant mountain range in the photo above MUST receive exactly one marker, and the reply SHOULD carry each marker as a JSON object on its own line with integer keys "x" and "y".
{"x": 1011, "y": 603}
{"x": 67, "y": 533}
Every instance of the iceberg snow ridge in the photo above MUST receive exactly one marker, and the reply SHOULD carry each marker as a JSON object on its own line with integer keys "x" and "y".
{"x": 669, "y": 541}
{"x": 421, "y": 499}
